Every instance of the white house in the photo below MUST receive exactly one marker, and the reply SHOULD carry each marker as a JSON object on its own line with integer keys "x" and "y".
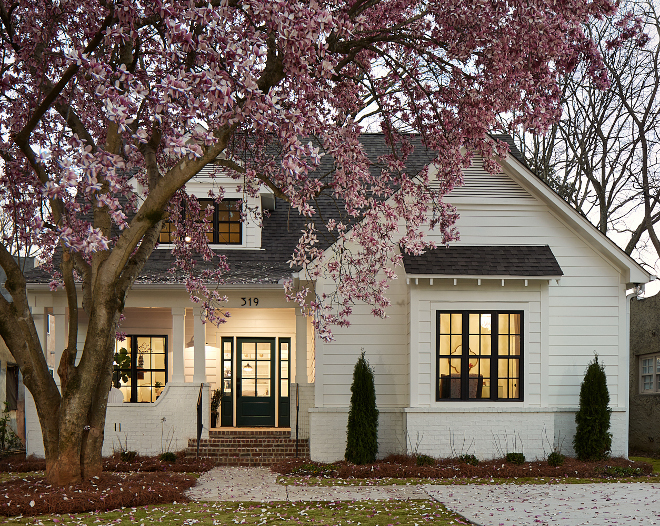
{"x": 483, "y": 352}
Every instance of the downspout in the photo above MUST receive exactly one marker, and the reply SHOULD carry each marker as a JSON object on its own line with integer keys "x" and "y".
{"x": 636, "y": 291}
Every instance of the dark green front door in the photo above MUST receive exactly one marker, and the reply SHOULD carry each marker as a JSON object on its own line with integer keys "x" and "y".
{"x": 255, "y": 382}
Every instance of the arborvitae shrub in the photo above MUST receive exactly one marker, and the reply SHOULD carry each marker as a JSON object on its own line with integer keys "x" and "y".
{"x": 362, "y": 428}
{"x": 592, "y": 440}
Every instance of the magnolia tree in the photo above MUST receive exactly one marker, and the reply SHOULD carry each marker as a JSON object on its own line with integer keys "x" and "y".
{"x": 110, "y": 106}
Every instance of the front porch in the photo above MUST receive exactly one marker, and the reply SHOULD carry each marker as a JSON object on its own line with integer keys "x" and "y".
{"x": 259, "y": 358}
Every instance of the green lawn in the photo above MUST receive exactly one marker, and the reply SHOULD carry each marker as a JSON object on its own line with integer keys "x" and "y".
{"x": 362, "y": 513}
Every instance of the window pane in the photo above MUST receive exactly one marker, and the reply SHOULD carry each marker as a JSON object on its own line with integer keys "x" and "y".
{"x": 263, "y": 348}
{"x": 514, "y": 345}
{"x": 444, "y": 323}
{"x": 514, "y": 320}
{"x": 474, "y": 344}
{"x": 503, "y": 345}
{"x": 443, "y": 366}
{"x": 159, "y": 376}
{"x": 445, "y": 344}
{"x": 485, "y": 324}
{"x": 647, "y": 383}
{"x": 456, "y": 347}
{"x": 263, "y": 369}
{"x": 503, "y": 368}
{"x": 263, "y": 387}
{"x": 457, "y": 323}
{"x": 503, "y": 323}
{"x": 647, "y": 366}
{"x": 474, "y": 323}
{"x": 450, "y": 386}
{"x": 248, "y": 387}
{"x": 284, "y": 388}
{"x": 657, "y": 366}
{"x": 284, "y": 367}
{"x": 249, "y": 370}
{"x": 249, "y": 351}
{"x": 485, "y": 344}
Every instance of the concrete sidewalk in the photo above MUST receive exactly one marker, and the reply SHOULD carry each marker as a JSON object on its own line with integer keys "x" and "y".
{"x": 509, "y": 505}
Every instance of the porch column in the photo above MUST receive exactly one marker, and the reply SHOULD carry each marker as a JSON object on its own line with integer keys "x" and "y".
{"x": 178, "y": 342}
{"x": 301, "y": 348}
{"x": 55, "y": 355}
{"x": 199, "y": 374}
{"x": 40, "y": 323}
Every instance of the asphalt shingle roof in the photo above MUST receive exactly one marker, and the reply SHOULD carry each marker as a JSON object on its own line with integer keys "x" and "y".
{"x": 282, "y": 229}
{"x": 465, "y": 260}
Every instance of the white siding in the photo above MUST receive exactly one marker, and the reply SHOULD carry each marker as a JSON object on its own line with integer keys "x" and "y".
{"x": 565, "y": 323}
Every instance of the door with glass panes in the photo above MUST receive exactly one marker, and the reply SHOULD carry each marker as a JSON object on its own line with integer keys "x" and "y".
{"x": 255, "y": 382}
{"x": 261, "y": 381}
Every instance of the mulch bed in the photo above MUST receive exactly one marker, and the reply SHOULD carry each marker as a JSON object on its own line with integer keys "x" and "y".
{"x": 142, "y": 481}
{"x": 18, "y": 463}
{"x": 402, "y": 466}
{"x": 34, "y": 496}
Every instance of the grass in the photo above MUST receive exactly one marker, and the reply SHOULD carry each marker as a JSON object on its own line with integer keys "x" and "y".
{"x": 363, "y": 513}
{"x": 655, "y": 462}
{"x": 20, "y": 475}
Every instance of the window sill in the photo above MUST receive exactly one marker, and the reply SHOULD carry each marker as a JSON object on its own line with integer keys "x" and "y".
{"x": 213, "y": 246}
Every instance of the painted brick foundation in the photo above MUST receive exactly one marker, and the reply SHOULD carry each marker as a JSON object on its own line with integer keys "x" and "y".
{"x": 149, "y": 429}
{"x": 489, "y": 433}
{"x": 248, "y": 447}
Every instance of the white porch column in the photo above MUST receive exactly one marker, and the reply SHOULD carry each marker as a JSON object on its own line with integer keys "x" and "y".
{"x": 199, "y": 374}
{"x": 178, "y": 342}
{"x": 40, "y": 322}
{"x": 55, "y": 355}
{"x": 301, "y": 348}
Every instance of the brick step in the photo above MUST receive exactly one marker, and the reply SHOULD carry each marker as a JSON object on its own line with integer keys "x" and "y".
{"x": 240, "y": 447}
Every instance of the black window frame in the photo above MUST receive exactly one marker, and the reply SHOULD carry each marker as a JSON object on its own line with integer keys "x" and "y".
{"x": 134, "y": 371}
{"x": 494, "y": 356}
{"x": 233, "y": 207}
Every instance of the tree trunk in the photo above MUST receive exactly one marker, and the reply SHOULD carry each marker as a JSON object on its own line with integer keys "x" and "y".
{"x": 81, "y": 422}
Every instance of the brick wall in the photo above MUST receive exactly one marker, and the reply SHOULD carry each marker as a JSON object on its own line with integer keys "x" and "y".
{"x": 486, "y": 434}
{"x": 328, "y": 433}
{"x": 305, "y": 403}
{"x": 139, "y": 427}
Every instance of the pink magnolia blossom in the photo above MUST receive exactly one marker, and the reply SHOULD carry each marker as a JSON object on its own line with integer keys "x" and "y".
{"x": 97, "y": 95}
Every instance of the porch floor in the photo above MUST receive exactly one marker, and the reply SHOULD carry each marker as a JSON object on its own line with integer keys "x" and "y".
{"x": 249, "y": 446}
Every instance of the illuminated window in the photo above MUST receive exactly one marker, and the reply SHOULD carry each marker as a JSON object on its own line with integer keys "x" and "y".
{"x": 140, "y": 367}
{"x": 479, "y": 355}
{"x": 650, "y": 373}
{"x": 224, "y": 228}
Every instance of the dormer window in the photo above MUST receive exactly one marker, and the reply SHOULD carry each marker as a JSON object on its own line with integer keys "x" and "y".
{"x": 224, "y": 227}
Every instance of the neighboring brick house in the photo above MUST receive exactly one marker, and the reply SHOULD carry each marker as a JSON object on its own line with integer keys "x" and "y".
{"x": 484, "y": 349}
{"x": 645, "y": 375}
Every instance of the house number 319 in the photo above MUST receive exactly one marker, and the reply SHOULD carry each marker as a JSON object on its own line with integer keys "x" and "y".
{"x": 250, "y": 302}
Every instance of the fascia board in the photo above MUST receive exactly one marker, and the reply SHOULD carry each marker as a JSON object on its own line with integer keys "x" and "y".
{"x": 633, "y": 272}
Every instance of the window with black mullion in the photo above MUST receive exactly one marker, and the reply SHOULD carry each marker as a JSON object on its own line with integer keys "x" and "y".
{"x": 479, "y": 355}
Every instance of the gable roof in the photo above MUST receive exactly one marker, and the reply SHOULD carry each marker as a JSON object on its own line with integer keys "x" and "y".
{"x": 282, "y": 229}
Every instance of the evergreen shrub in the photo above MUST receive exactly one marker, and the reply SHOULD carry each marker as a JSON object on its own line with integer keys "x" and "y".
{"x": 515, "y": 458}
{"x": 592, "y": 440}
{"x": 555, "y": 459}
{"x": 424, "y": 460}
{"x": 362, "y": 428}
{"x": 468, "y": 459}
